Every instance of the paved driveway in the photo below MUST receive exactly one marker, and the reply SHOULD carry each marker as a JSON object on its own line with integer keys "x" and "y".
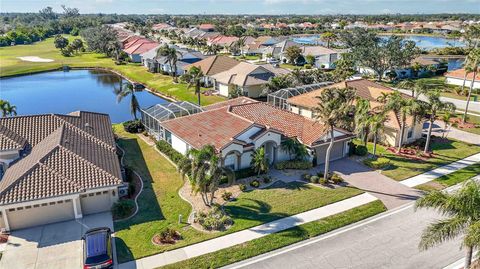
{"x": 52, "y": 246}
{"x": 390, "y": 192}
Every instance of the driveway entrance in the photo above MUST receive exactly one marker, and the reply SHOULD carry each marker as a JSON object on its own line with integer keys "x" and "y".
{"x": 52, "y": 246}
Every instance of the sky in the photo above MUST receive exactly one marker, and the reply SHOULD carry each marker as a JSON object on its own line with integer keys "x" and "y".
{"x": 311, "y": 7}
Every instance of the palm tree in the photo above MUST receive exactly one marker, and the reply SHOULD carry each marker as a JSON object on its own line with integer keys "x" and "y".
{"x": 333, "y": 110}
{"x": 328, "y": 37}
{"x": 473, "y": 63}
{"x": 195, "y": 77}
{"x": 446, "y": 123}
{"x": 172, "y": 55}
{"x": 361, "y": 119}
{"x": 124, "y": 91}
{"x": 418, "y": 87}
{"x": 434, "y": 106}
{"x": 259, "y": 161}
{"x": 462, "y": 212}
{"x": 204, "y": 172}
{"x": 294, "y": 148}
{"x": 376, "y": 124}
{"x": 7, "y": 109}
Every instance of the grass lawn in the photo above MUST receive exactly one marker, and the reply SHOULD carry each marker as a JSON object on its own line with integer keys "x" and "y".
{"x": 290, "y": 66}
{"x": 452, "y": 179}
{"x": 444, "y": 153}
{"x": 248, "y": 57}
{"x": 281, "y": 239}
{"x": 11, "y": 65}
{"x": 160, "y": 204}
{"x": 470, "y": 119}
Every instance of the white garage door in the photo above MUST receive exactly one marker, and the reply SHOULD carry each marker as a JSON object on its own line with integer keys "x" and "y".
{"x": 95, "y": 202}
{"x": 29, "y": 216}
{"x": 335, "y": 154}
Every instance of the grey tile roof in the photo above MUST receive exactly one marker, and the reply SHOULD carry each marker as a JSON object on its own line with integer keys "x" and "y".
{"x": 69, "y": 154}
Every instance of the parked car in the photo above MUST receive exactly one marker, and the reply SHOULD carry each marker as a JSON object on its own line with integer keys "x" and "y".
{"x": 97, "y": 249}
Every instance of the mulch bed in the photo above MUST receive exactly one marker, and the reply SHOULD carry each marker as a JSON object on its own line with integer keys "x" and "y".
{"x": 411, "y": 153}
{"x": 462, "y": 125}
{"x": 158, "y": 240}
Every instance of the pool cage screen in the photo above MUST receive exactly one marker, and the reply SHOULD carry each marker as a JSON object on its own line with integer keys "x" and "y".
{"x": 154, "y": 115}
{"x": 279, "y": 98}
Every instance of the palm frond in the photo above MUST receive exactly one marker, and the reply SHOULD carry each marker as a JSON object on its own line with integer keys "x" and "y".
{"x": 441, "y": 231}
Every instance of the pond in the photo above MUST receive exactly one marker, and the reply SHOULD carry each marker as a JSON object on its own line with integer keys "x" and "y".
{"x": 424, "y": 42}
{"x": 63, "y": 92}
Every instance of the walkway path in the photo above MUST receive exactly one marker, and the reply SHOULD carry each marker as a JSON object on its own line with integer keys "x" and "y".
{"x": 460, "y": 104}
{"x": 247, "y": 235}
{"x": 454, "y": 133}
{"x": 441, "y": 171}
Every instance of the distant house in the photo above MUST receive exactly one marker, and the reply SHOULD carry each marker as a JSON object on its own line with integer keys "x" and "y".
{"x": 456, "y": 77}
{"x": 162, "y": 26}
{"x": 238, "y": 127}
{"x": 243, "y": 79}
{"x": 213, "y": 65}
{"x": 185, "y": 57}
{"x": 206, "y": 27}
{"x": 136, "y": 50}
{"x": 277, "y": 50}
{"x": 304, "y": 105}
{"x": 324, "y": 57}
{"x": 56, "y": 168}
{"x": 221, "y": 40}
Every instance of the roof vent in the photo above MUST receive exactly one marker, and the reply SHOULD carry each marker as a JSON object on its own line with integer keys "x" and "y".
{"x": 87, "y": 125}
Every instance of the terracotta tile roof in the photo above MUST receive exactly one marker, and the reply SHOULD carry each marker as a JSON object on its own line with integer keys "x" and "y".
{"x": 215, "y": 64}
{"x": 64, "y": 154}
{"x": 222, "y": 40}
{"x": 141, "y": 47}
{"x": 206, "y": 26}
{"x": 460, "y": 74}
{"x": 221, "y": 123}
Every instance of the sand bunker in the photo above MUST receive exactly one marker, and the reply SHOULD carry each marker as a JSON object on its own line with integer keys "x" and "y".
{"x": 35, "y": 59}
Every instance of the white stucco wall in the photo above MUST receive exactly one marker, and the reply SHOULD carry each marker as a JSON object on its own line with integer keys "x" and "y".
{"x": 178, "y": 144}
{"x": 459, "y": 82}
{"x": 246, "y": 159}
{"x": 269, "y": 136}
{"x": 223, "y": 89}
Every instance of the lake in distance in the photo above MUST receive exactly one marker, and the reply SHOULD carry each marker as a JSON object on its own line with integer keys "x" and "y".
{"x": 64, "y": 92}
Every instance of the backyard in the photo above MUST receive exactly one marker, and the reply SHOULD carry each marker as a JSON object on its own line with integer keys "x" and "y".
{"x": 10, "y": 65}
{"x": 444, "y": 152}
{"x": 160, "y": 205}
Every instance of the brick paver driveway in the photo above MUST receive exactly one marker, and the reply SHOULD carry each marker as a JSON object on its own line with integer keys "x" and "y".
{"x": 389, "y": 191}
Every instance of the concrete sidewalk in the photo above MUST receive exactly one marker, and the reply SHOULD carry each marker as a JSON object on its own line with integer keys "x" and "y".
{"x": 441, "y": 171}
{"x": 243, "y": 236}
{"x": 457, "y": 134}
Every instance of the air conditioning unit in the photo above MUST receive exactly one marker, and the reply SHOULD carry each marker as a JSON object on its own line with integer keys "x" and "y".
{"x": 123, "y": 190}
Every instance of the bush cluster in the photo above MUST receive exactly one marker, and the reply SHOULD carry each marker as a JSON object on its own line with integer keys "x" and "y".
{"x": 227, "y": 196}
{"x": 133, "y": 126}
{"x": 122, "y": 209}
{"x": 215, "y": 219}
{"x": 242, "y": 187}
{"x": 169, "y": 236}
{"x": 171, "y": 153}
{"x": 255, "y": 183}
{"x": 377, "y": 163}
{"x": 361, "y": 150}
{"x": 243, "y": 173}
{"x": 300, "y": 165}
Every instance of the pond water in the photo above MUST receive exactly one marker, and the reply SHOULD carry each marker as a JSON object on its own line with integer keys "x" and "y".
{"x": 64, "y": 92}
{"x": 424, "y": 42}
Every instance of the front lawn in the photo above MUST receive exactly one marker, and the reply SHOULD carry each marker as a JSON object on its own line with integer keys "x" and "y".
{"x": 444, "y": 153}
{"x": 160, "y": 205}
{"x": 452, "y": 179}
{"x": 10, "y": 65}
{"x": 281, "y": 239}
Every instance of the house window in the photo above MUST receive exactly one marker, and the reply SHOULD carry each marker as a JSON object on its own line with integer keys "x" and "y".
{"x": 410, "y": 133}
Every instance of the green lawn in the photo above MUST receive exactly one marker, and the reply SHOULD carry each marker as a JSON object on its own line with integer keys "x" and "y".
{"x": 452, "y": 179}
{"x": 470, "y": 119}
{"x": 402, "y": 168}
{"x": 160, "y": 203}
{"x": 274, "y": 241}
{"x": 248, "y": 57}
{"x": 10, "y": 65}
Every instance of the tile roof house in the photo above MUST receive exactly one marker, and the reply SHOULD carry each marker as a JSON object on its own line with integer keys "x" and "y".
{"x": 243, "y": 79}
{"x": 456, "y": 77}
{"x": 304, "y": 104}
{"x": 239, "y": 126}
{"x": 56, "y": 168}
{"x": 213, "y": 65}
{"x": 136, "y": 50}
{"x": 185, "y": 58}
{"x": 206, "y": 27}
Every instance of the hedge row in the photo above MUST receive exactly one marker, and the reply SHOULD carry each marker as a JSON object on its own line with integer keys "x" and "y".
{"x": 171, "y": 153}
{"x": 300, "y": 165}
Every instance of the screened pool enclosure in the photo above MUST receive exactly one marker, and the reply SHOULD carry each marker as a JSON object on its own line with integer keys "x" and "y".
{"x": 279, "y": 98}
{"x": 154, "y": 115}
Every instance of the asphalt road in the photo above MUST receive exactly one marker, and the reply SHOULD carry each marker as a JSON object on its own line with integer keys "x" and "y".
{"x": 388, "y": 242}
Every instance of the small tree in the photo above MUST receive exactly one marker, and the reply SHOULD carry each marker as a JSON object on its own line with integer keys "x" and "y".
{"x": 473, "y": 63}
{"x": 294, "y": 148}
{"x": 434, "y": 106}
{"x": 362, "y": 118}
{"x": 310, "y": 59}
{"x": 376, "y": 125}
{"x": 259, "y": 161}
{"x": 77, "y": 45}
{"x": 195, "y": 76}
{"x": 328, "y": 37}
{"x": 60, "y": 42}
{"x": 124, "y": 91}
{"x": 292, "y": 53}
{"x": 7, "y": 109}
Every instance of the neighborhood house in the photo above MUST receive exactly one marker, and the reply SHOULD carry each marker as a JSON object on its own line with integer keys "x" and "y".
{"x": 56, "y": 168}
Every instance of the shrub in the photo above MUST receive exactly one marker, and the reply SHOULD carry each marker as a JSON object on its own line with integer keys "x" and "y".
{"x": 242, "y": 187}
{"x": 306, "y": 177}
{"x": 320, "y": 174}
{"x": 227, "y": 196}
{"x": 314, "y": 179}
{"x": 308, "y": 66}
{"x": 361, "y": 150}
{"x": 122, "y": 209}
{"x": 300, "y": 165}
{"x": 255, "y": 183}
{"x": 133, "y": 126}
{"x": 351, "y": 149}
{"x": 215, "y": 219}
{"x": 267, "y": 179}
{"x": 171, "y": 153}
{"x": 323, "y": 181}
{"x": 377, "y": 163}
{"x": 336, "y": 178}
{"x": 243, "y": 173}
